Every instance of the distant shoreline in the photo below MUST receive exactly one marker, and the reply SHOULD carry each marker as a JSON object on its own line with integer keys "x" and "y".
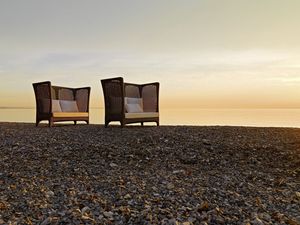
{"x": 7, "y": 107}
{"x": 186, "y": 116}
{"x": 117, "y": 125}
{"x": 177, "y": 108}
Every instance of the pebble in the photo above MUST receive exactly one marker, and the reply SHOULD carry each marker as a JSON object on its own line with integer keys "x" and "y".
{"x": 100, "y": 217}
{"x": 170, "y": 186}
{"x": 178, "y": 171}
{"x": 113, "y": 165}
{"x": 49, "y": 194}
{"x": 206, "y": 141}
{"x": 85, "y": 209}
{"x": 257, "y": 221}
{"x": 108, "y": 214}
{"x": 265, "y": 217}
{"x": 55, "y": 177}
{"x": 192, "y": 219}
{"x": 46, "y": 221}
{"x": 127, "y": 196}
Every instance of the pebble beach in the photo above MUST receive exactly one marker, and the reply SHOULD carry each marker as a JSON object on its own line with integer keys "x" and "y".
{"x": 88, "y": 174}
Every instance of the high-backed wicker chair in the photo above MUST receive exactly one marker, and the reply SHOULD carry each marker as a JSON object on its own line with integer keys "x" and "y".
{"x": 54, "y": 103}
{"x": 117, "y": 94}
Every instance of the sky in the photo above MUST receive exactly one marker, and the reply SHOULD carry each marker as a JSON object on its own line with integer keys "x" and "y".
{"x": 204, "y": 53}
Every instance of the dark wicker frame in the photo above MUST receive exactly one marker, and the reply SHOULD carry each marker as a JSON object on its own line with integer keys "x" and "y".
{"x": 115, "y": 90}
{"x": 47, "y": 92}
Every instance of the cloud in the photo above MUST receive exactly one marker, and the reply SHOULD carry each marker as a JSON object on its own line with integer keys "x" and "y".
{"x": 288, "y": 79}
{"x": 156, "y": 66}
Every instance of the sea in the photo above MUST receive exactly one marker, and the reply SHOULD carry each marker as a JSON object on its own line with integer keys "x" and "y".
{"x": 187, "y": 116}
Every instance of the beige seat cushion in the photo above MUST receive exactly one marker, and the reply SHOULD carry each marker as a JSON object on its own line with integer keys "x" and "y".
{"x": 70, "y": 114}
{"x": 141, "y": 115}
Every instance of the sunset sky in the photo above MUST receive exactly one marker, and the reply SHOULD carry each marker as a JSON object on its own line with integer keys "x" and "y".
{"x": 205, "y": 53}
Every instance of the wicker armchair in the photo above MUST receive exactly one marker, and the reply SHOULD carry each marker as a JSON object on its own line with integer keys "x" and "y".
{"x": 54, "y": 103}
{"x": 130, "y": 103}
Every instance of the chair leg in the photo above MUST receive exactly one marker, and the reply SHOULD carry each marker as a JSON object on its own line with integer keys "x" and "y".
{"x": 106, "y": 123}
{"x": 87, "y": 122}
{"x": 157, "y": 123}
{"x": 50, "y": 123}
{"x": 75, "y": 122}
{"x": 37, "y": 122}
{"x": 122, "y": 124}
{"x": 142, "y": 123}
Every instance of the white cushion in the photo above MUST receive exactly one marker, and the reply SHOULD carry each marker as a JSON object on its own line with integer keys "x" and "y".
{"x": 133, "y": 100}
{"x": 141, "y": 115}
{"x": 56, "y": 106}
{"x": 133, "y": 108}
{"x": 68, "y": 106}
{"x": 133, "y": 105}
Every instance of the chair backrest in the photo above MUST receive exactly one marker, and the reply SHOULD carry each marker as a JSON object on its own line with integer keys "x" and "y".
{"x": 45, "y": 93}
{"x": 66, "y": 93}
{"x": 113, "y": 90}
{"x": 132, "y": 90}
{"x": 80, "y": 95}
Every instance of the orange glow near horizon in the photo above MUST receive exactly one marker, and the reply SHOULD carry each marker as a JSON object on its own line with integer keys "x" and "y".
{"x": 205, "y": 54}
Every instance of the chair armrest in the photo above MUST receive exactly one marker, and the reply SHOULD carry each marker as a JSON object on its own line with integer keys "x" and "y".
{"x": 150, "y": 95}
{"x": 113, "y": 91}
{"x": 42, "y": 91}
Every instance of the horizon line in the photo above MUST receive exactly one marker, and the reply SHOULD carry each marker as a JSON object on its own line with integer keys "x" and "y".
{"x": 29, "y": 107}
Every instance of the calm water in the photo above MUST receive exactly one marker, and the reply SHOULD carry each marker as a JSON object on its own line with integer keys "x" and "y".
{"x": 239, "y": 117}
